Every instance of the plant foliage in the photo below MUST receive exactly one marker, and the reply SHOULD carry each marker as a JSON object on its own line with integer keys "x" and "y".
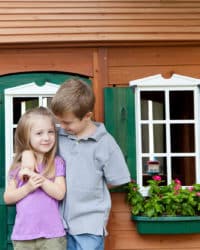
{"x": 170, "y": 200}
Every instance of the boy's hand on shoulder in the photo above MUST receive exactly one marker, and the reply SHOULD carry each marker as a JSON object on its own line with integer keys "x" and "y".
{"x": 25, "y": 173}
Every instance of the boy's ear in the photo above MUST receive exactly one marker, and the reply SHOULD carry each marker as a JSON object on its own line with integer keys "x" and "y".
{"x": 89, "y": 115}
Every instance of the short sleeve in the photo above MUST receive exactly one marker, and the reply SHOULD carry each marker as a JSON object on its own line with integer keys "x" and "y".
{"x": 13, "y": 174}
{"x": 60, "y": 166}
{"x": 116, "y": 170}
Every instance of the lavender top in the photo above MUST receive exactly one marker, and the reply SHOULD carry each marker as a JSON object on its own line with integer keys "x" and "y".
{"x": 38, "y": 214}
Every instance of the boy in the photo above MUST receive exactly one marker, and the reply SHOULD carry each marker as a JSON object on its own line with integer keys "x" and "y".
{"x": 94, "y": 161}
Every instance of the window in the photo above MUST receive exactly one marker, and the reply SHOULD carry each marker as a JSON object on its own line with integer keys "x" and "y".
{"x": 167, "y": 128}
{"x": 17, "y": 101}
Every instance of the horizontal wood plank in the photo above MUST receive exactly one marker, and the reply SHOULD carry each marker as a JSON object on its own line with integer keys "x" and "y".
{"x": 140, "y": 56}
{"x": 92, "y": 38}
{"x": 101, "y": 10}
{"x": 101, "y": 30}
{"x": 102, "y": 16}
{"x": 122, "y": 221}
{"x": 98, "y": 4}
{"x": 21, "y": 60}
{"x": 96, "y": 23}
{"x": 134, "y": 241}
{"x": 122, "y": 76}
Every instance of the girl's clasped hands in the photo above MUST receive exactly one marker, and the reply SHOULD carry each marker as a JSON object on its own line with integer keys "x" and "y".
{"x": 32, "y": 178}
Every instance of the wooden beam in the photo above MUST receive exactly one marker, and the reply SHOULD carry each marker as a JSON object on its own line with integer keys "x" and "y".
{"x": 100, "y": 80}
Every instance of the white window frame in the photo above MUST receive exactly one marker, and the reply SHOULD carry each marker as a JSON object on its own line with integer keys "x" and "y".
{"x": 158, "y": 83}
{"x": 26, "y": 90}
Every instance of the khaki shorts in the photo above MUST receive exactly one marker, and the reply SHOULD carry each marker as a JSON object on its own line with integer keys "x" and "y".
{"x": 41, "y": 244}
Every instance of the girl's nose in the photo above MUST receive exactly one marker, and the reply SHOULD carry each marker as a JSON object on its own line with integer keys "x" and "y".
{"x": 46, "y": 137}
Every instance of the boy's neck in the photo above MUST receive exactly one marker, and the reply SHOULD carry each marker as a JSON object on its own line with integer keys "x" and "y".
{"x": 88, "y": 131}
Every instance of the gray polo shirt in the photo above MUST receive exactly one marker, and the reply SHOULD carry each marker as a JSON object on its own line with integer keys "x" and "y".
{"x": 91, "y": 164}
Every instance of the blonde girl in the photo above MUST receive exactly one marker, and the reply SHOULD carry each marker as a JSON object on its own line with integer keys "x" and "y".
{"x": 37, "y": 224}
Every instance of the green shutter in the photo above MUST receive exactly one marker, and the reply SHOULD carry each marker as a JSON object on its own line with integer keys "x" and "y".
{"x": 3, "y": 222}
{"x": 120, "y": 121}
{"x": 2, "y": 139}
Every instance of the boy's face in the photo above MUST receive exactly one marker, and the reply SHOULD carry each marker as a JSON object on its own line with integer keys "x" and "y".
{"x": 74, "y": 125}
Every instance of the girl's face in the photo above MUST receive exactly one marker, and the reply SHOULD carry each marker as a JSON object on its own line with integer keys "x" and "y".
{"x": 42, "y": 135}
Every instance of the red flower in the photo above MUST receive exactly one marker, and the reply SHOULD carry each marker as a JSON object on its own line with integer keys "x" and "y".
{"x": 156, "y": 178}
{"x": 177, "y": 181}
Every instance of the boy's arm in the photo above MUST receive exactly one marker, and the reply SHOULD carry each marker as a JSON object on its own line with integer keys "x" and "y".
{"x": 55, "y": 189}
{"x": 14, "y": 194}
{"x": 27, "y": 165}
{"x": 28, "y": 160}
{"x": 116, "y": 171}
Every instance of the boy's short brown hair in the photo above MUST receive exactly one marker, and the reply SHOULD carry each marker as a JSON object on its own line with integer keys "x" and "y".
{"x": 74, "y": 96}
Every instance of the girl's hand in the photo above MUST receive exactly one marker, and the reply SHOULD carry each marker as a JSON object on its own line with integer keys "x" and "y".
{"x": 35, "y": 181}
{"x": 14, "y": 194}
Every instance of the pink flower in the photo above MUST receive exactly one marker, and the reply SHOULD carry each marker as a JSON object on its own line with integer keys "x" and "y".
{"x": 133, "y": 181}
{"x": 156, "y": 178}
{"x": 177, "y": 181}
{"x": 190, "y": 189}
{"x": 177, "y": 187}
{"x": 198, "y": 194}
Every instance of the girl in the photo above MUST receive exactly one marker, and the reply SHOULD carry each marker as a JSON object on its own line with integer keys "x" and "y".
{"x": 38, "y": 223}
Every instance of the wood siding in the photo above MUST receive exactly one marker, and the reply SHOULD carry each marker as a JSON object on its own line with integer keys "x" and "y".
{"x": 126, "y": 64}
{"x": 99, "y": 21}
{"x": 123, "y": 234}
{"x": 116, "y": 66}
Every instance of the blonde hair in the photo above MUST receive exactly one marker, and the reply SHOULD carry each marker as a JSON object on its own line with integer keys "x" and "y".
{"x": 74, "y": 96}
{"x": 22, "y": 139}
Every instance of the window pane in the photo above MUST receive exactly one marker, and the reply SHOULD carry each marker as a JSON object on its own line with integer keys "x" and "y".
{"x": 153, "y": 141}
{"x": 162, "y": 170}
{"x": 181, "y": 105}
{"x": 21, "y": 104}
{"x": 183, "y": 168}
{"x": 152, "y": 105}
{"x": 159, "y": 138}
{"x": 145, "y": 138}
{"x": 13, "y": 138}
{"x": 182, "y": 138}
{"x": 46, "y": 101}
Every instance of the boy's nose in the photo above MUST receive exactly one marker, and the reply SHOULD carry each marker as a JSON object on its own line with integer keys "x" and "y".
{"x": 63, "y": 125}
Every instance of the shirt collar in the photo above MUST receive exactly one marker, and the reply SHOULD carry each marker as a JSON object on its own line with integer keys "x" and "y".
{"x": 96, "y": 136}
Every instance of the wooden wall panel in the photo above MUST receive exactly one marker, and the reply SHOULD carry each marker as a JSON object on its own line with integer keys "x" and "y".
{"x": 98, "y": 21}
{"x": 79, "y": 61}
{"x": 123, "y": 234}
{"x": 100, "y": 79}
{"x": 117, "y": 65}
{"x": 125, "y": 64}
{"x": 122, "y": 76}
{"x": 153, "y": 55}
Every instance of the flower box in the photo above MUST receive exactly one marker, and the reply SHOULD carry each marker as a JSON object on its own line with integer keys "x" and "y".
{"x": 167, "y": 225}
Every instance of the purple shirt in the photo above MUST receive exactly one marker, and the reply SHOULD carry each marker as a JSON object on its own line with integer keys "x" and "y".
{"x": 38, "y": 214}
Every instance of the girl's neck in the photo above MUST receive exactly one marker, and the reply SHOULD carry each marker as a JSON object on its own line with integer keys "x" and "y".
{"x": 39, "y": 158}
